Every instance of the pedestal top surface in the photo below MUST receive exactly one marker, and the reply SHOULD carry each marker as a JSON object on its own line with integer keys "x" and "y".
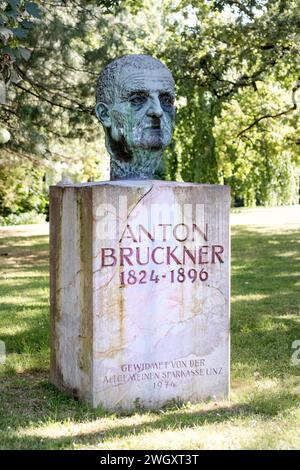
{"x": 139, "y": 183}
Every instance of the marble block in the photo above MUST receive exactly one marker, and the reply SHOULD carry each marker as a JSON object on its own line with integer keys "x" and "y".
{"x": 140, "y": 292}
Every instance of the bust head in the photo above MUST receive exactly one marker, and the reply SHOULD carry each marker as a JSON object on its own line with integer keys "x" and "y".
{"x": 135, "y": 104}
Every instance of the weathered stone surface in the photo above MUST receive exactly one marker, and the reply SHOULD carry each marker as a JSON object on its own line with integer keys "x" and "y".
{"x": 140, "y": 292}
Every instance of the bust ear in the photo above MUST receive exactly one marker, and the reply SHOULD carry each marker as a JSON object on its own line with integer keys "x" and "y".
{"x": 103, "y": 114}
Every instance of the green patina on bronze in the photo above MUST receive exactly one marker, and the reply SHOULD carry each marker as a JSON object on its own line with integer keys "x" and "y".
{"x": 135, "y": 104}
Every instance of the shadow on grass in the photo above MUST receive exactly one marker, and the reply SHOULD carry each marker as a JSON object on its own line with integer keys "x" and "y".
{"x": 37, "y": 403}
{"x": 33, "y": 337}
{"x": 24, "y": 253}
{"x": 24, "y": 306}
{"x": 263, "y": 329}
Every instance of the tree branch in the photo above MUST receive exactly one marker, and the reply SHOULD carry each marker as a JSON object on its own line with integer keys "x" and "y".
{"x": 31, "y": 158}
{"x": 273, "y": 116}
{"x": 53, "y": 103}
{"x": 242, "y": 7}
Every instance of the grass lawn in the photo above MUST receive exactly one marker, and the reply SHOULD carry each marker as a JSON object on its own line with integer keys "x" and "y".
{"x": 264, "y": 411}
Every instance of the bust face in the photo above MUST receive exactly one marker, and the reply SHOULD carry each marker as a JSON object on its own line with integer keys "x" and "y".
{"x": 135, "y": 104}
{"x": 143, "y": 112}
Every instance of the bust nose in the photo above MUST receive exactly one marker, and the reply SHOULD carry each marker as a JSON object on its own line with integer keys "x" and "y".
{"x": 155, "y": 109}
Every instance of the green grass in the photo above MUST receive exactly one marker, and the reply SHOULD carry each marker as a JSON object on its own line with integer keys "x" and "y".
{"x": 264, "y": 411}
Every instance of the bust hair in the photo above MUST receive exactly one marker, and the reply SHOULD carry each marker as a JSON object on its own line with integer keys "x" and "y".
{"x": 105, "y": 89}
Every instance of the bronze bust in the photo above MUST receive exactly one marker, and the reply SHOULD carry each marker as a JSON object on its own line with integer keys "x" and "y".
{"x": 135, "y": 104}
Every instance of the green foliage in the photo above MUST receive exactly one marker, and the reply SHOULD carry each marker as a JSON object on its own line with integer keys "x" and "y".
{"x": 235, "y": 64}
{"x": 22, "y": 189}
{"x": 17, "y": 18}
{"x": 26, "y": 218}
{"x": 262, "y": 165}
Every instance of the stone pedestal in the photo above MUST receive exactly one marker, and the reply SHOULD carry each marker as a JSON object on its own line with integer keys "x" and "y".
{"x": 140, "y": 292}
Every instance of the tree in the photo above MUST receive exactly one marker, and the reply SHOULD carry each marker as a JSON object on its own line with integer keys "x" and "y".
{"x": 17, "y": 18}
{"x": 30, "y": 115}
{"x": 228, "y": 58}
{"x": 227, "y": 50}
{"x": 261, "y": 164}
{"x": 50, "y": 113}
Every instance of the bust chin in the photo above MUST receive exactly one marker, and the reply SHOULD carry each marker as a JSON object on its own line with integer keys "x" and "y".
{"x": 135, "y": 105}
